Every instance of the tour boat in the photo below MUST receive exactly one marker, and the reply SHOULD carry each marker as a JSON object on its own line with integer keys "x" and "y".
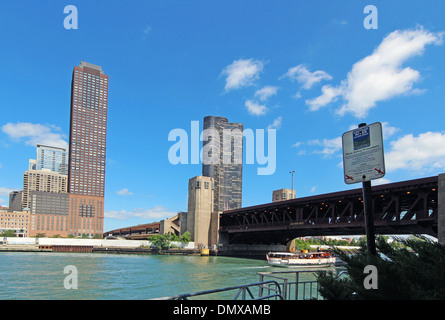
{"x": 301, "y": 259}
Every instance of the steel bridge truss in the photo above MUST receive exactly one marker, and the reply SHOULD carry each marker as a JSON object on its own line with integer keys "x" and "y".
{"x": 399, "y": 208}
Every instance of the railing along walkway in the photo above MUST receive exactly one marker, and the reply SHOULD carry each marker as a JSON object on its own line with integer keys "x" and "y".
{"x": 295, "y": 285}
{"x": 244, "y": 292}
{"x": 285, "y": 285}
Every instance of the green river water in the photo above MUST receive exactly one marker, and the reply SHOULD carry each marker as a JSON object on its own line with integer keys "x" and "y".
{"x": 41, "y": 275}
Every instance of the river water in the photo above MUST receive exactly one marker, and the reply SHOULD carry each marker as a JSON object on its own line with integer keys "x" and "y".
{"x": 40, "y": 275}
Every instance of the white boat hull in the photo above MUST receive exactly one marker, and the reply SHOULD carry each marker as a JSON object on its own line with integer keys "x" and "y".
{"x": 302, "y": 263}
{"x": 301, "y": 260}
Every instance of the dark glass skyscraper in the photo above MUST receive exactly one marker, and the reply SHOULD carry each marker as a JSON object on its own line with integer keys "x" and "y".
{"x": 228, "y": 171}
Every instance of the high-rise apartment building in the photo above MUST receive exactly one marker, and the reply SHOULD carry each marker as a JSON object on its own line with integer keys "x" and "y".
{"x": 87, "y": 145}
{"x": 43, "y": 186}
{"x": 52, "y": 158}
{"x": 42, "y": 180}
{"x": 227, "y": 171}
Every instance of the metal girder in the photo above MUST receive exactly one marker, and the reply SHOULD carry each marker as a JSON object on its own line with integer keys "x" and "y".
{"x": 404, "y": 207}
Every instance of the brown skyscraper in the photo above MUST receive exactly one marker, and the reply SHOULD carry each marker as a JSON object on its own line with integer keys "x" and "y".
{"x": 87, "y": 149}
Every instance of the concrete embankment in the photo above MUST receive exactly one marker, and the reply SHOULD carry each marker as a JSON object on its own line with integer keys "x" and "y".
{"x": 22, "y": 248}
{"x": 90, "y": 245}
{"x": 117, "y": 250}
{"x": 90, "y": 249}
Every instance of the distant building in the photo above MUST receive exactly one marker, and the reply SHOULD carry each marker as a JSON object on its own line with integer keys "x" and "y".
{"x": 43, "y": 187}
{"x": 42, "y": 180}
{"x": 49, "y": 213}
{"x": 17, "y": 221}
{"x": 201, "y": 217}
{"x": 227, "y": 172}
{"x": 52, "y": 158}
{"x": 15, "y": 201}
{"x": 32, "y": 164}
{"x": 171, "y": 225}
{"x": 283, "y": 194}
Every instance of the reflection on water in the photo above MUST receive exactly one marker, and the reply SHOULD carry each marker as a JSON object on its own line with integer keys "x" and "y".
{"x": 106, "y": 276}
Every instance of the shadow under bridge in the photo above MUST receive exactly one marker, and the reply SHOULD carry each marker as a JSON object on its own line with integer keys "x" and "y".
{"x": 399, "y": 208}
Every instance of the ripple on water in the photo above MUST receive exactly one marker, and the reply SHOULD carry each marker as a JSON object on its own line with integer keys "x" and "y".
{"x": 108, "y": 276}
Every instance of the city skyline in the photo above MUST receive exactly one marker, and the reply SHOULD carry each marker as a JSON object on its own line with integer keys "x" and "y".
{"x": 308, "y": 71}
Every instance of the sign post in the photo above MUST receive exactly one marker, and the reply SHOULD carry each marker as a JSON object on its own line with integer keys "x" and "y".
{"x": 363, "y": 161}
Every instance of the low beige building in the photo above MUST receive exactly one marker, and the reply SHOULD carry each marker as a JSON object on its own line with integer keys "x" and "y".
{"x": 17, "y": 221}
{"x": 283, "y": 194}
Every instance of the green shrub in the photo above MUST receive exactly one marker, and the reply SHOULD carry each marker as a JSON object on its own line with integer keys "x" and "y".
{"x": 413, "y": 269}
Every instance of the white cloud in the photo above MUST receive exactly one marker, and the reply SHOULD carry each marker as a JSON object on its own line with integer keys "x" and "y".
{"x": 276, "y": 124}
{"x": 264, "y": 93}
{"x": 334, "y": 145}
{"x": 34, "y": 134}
{"x": 242, "y": 72}
{"x": 340, "y": 22}
{"x": 156, "y": 213}
{"x": 305, "y": 77}
{"x": 4, "y": 192}
{"x": 330, "y": 146}
{"x": 424, "y": 152}
{"x": 297, "y": 95}
{"x": 255, "y": 108}
{"x": 388, "y": 130}
{"x": 380, "y": 76}
{"x": 124, "y": 192}
{"x": 380, "y": 181}
{"x": 329, "y": 94}
{"x": 146, "y": 31}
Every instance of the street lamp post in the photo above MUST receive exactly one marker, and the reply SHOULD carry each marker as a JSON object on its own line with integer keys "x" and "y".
{"x": 292, "y": 190}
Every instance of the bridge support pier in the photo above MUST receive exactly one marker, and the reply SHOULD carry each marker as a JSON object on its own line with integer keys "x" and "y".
{"x": 441, "y": 209}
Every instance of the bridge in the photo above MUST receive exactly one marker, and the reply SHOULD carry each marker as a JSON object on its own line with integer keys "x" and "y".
{"x": 399, "y": 208}
{"x": 139, "y": 232}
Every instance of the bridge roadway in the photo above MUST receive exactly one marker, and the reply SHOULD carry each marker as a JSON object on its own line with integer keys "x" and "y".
{"x": 399, "y": 208}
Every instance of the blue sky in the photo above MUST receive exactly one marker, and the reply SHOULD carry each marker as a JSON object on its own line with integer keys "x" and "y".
{"x": 309, "y": 69}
